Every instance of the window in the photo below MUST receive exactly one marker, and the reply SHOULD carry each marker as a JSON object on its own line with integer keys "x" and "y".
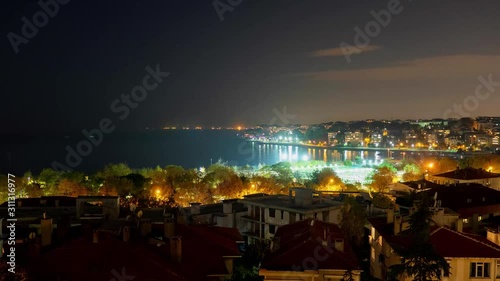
{"x": 282, "y": 215}
{"x": 479, "y": 269}
{"x": 272, "y": 229}
{"x": 272, "y": 212}
{"x": 465, "y": 220}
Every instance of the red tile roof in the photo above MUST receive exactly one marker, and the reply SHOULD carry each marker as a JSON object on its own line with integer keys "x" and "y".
{"x": 203, "y": 249}
{"x": 465, "y": 199}
{"x": 302, "y": 248}
{"x": 468, "y": 174}
{"x": 448, "y": 243}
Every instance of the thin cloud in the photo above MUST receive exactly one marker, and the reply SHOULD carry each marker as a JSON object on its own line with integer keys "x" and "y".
{"x": 443, "y": 67}
{"x": 338, "y": 52}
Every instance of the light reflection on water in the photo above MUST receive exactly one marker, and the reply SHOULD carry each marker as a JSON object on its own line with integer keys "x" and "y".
{"x": 273, "y": 153}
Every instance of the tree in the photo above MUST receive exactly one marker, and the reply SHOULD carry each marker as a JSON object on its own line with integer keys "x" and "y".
{"x": 421, "y": 261}
{"x": 326, "y": 179}
{"x": 49, "y": 180}
{"x": 115, "y": 170}
{"x": 412, "y": 172}
{"x": 247, "y": 268}
{"x": 381, "y": 178}
{"x": 281, "y": 172}
{"x": 70, "y": 187}
{"x": 352, "y": 220}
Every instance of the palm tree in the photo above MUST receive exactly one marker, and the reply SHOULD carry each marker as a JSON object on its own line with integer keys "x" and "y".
{"x": 420, "y": 261}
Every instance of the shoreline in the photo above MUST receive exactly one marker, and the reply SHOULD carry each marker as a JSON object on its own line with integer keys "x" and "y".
{"x": 368, "y": 148}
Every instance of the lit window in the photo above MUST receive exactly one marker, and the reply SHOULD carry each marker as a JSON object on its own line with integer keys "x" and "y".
{"x": 465, "y": 220}
{"x": 480, "y": 218}
{"x": 480, "y": 269}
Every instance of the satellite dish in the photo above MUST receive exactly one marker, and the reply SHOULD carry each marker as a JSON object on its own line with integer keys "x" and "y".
{"x": 139, "y": 214}
{"x": 32, "y": 235}
{"x": 133, "y": 207}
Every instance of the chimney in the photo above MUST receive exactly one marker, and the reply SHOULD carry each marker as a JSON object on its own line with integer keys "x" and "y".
{"x": 390, "y": 215}
{"x": 459, "y": 225}
{"x": 438, "y": 217}
{"x": 176, "y": 249}
{"x": 195, "y": 208}
{"x": 169, "y": 228}
{"x": 493, "y": 236}
{"x": 46, "y": 230}
{"x": 227, "y": 206}
{"x": 303, "y": 196}
{"x": 398, "y": 221}
{"x": 339, "y": 244}
{"x": 95, "y": 236}
{"x": 145, "y": 227}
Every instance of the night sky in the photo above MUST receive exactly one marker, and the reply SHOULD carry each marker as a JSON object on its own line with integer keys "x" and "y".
{"x": 264, "y": 55}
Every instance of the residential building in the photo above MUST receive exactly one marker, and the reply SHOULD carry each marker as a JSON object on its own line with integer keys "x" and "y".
{"x": 266, "y": 213}
{"x": 473, "y": 202}
{"x": 468, "y": 175}
{"x": 310, "y": 250}
{"x": 470, "y": 256}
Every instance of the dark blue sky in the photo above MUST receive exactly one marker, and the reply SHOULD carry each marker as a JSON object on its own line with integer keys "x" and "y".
{"x": 264, "y": 55}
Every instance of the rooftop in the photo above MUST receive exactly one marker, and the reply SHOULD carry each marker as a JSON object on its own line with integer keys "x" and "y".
{"x": 284, "y": 202}
{"x": 468, "y": 174}
{"x": 444, "y": 239}
{"x": 299, "y": 241}
{"x": 203, "y": 249}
